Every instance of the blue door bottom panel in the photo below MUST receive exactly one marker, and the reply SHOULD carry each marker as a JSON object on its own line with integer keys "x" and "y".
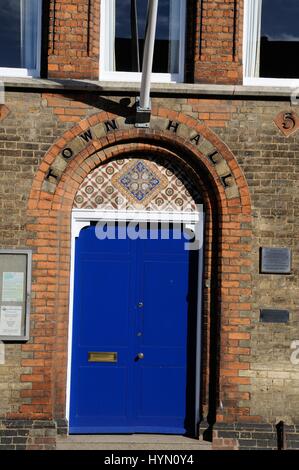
{"x": 126, "y": 430}
{"x": 131, "y": 297}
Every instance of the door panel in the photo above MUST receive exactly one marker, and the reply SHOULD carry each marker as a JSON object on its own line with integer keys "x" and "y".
{"x": 101, "y": 324}
{"x": 156, "y": 399}
{"x": 98, "y": 275}
{"x": 131, "y": 297}
{"x": 165, "y": 286}
{"x": 161, "y": 375}
{"x": 112, "y": 399}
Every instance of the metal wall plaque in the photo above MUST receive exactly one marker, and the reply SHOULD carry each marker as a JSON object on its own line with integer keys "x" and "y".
{"x": 275, "y": 261}
{"x": 268, "y": 315}
{"x": 15, "y": 287}
{"x": 102, "y": 357}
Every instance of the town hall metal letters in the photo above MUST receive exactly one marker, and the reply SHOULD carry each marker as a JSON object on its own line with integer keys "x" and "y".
{"x": 100, "y": 130}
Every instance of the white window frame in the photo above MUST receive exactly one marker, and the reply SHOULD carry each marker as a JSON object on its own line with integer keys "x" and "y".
{"x": 106, "y": 75}
{"x": 27, "y": 72}
{"x": 259, "y": 81}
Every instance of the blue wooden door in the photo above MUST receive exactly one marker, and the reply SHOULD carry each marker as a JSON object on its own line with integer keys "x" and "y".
{"x": 137, "y": 299}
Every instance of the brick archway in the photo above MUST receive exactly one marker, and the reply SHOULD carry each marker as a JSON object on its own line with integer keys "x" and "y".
{"x": 211, "y": 164}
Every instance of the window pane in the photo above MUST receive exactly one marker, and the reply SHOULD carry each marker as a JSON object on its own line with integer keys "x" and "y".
{"x": 129, "y": 41}
{"x": 19, "y": 33}
{"x": 280, "y": 39}
{"x": 10, "y": 34}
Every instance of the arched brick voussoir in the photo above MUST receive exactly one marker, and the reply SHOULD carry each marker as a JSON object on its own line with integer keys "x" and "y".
{"x": 189, "y": 137}
{"x": 211, "y": 137}
{"x": 72, "y": 179}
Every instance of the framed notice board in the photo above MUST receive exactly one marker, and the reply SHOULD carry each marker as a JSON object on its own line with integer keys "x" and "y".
{"x": 15, "y": 287}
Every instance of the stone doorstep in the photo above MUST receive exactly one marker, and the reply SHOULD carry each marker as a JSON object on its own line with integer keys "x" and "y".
{"x": 130, "y": 442}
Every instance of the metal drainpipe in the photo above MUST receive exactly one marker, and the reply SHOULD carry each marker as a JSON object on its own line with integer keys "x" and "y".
{"x": 144, "y": 106}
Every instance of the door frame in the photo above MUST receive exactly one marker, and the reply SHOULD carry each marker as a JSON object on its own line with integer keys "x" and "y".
{"x": 81, "y": 218}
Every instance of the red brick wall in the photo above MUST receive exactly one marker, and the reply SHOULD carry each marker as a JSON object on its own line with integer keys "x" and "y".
{"x": 219, "y": 33}
{"x": 73, "y": 48}
{"x": 213, "y": 48}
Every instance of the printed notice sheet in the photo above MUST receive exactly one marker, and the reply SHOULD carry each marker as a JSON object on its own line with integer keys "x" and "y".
{"x": 13, "y": 287}
{"x": 11, "y": 321}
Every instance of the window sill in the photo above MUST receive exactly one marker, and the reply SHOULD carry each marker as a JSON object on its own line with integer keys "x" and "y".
{"x": 136, "y": 77}
{"x": 18, "y": 73}
{"x": 272, "y": 82}
{"x": 157, "y": 89}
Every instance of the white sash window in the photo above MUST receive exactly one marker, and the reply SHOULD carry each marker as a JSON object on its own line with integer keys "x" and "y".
{"x": 20, "y": 37}
{"x": 271, "y": 42}
{"x": 123, "y": 25}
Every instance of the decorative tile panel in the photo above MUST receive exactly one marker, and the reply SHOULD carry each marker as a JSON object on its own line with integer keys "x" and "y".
{"x": 136, "y": 183}
{"x": 139, "y": 181}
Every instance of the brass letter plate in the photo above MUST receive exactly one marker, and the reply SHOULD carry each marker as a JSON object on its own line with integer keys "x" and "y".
{"x": 102, "y": 357}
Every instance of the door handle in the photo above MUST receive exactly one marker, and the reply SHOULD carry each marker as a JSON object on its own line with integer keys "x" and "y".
{"x": 140, "y": 355}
